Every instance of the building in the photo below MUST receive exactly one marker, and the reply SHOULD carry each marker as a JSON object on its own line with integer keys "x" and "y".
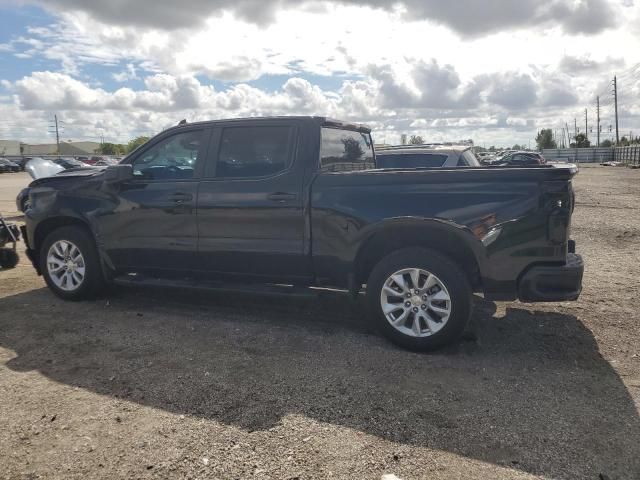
{"x": 66, "y": 148}
{"x": 9, "y": 147}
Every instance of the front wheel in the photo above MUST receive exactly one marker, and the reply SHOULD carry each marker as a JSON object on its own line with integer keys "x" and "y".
{"x": 70, "y": 265}
{"x": 419, "y": 298}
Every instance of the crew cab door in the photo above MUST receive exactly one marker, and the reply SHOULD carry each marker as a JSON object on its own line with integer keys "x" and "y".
{"x": 250, "y": 208}
{"x": 153, "y": 227}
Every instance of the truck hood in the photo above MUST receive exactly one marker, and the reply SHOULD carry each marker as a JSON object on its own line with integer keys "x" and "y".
{"x": 42, "y": 170}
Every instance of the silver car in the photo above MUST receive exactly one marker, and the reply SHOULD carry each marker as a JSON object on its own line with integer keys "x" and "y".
{"x": 426, "y": 156}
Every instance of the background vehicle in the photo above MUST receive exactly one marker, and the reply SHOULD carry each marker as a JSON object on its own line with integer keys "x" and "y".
{"x": 297, "y": 201}
{"x": 105, "y": 162}
{"x": 426, "y": 156}
{"x": 521, "y": 159}
{"x": 8, "y": 166}
{"x": 69, "y": 163}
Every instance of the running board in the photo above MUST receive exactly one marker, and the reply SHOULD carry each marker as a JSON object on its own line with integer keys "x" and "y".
{"x": 138, "y": 280}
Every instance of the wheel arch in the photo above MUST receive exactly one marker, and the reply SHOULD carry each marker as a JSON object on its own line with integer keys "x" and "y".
{"x": 449, "y": 239}
{"x": 47, "y": 226}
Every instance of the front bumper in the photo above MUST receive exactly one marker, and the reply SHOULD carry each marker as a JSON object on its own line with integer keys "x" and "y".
{"x": 553, "y": 283}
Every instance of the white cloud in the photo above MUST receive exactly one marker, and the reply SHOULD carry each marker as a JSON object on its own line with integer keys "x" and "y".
{"x": 440, "y": 74}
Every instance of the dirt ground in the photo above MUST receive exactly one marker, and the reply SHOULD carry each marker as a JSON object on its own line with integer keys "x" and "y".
{"x": 164, "y": 384}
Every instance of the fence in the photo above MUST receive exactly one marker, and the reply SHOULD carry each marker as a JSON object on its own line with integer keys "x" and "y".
{"x": 628, "y": 155}
{"x": 579, "y": 155}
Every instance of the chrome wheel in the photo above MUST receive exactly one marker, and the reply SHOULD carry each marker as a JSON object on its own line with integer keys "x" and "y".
{"x": 415, "y": 302}
{"x": 65, "y": 265}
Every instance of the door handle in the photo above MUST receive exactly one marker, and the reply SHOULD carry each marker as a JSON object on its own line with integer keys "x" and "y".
{"x": 281, "y": 196}
{"x": 180, "y": 197}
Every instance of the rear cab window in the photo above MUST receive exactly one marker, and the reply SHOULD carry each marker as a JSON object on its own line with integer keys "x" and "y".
{"x": 345, "y": 150}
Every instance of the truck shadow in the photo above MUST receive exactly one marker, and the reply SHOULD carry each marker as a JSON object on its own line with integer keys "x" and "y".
{"x": 531, "y": 391}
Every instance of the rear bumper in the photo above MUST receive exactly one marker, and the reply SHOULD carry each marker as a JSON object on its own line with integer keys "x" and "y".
{"x": 553, "y": 283}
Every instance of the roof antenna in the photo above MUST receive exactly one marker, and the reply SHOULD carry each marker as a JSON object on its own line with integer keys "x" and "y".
{"x": 182, "y": 122}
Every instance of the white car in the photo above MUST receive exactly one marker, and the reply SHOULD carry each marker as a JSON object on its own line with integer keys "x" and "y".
{"x": 426, "y": 156}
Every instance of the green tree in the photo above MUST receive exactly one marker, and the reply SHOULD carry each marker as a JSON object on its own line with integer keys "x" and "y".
{"x": 606, "y": 143}
{"x": 581, "y": 141}
{"x": 108, "y": 149}
{"x": 416, "y": 140}
{"x": 352, "y": 149}
{"x": 544, "y": 139}
{"x": 136, "y": 142}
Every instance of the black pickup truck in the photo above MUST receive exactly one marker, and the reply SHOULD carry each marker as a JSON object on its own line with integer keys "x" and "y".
{"x": 255, "y": 203}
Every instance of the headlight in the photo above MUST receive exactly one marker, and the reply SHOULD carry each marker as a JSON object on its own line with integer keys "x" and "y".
{"x": 22, "y": 200}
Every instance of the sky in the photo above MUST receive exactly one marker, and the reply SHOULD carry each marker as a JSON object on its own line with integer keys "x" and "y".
{"x": 495, "y": 71}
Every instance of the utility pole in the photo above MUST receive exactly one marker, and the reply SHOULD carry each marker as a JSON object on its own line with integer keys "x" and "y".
{"x": 57, "y": 131}
{"x": 598, "y": 118}
{"x": 55, "y": 117}
{"x": 586, "y": 125}
{"x": 615, "y": 98}
{"x": 575, "y": 130}
{"x": 568, "y": 139}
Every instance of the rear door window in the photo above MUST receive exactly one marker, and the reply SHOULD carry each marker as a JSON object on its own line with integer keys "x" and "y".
{"x": 410, "y": 160}
{"x": 345, "y": 150}
{"x": 250, "y": 152}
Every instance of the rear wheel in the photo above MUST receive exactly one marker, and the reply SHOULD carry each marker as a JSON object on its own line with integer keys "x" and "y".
{"x": 419, "y": 298}
{"x": 70, "y": 265}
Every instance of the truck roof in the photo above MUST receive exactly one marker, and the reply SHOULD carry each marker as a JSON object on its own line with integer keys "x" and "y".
{"x": 322, "y": 121}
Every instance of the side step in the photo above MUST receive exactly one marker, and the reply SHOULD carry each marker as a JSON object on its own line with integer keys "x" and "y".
{"x": 139, "y": 280}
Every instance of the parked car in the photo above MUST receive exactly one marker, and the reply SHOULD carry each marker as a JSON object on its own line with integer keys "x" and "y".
{"x": 105, "y": 162}
{"x": 297, "y": 201}
{"x": 522, "y": 159}
{"x": 18, "y": 160}
{"x": 91, "y": 160}
{"x": 8, "y": 166}
{"x": 69, "y": 163}
{"x": 426, "y": 156}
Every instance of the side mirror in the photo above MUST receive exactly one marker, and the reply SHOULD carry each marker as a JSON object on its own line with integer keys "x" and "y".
{"x": 118, "y": 173}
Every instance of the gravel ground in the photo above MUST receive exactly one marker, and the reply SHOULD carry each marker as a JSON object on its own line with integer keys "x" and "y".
{"x": 163, "y": 384}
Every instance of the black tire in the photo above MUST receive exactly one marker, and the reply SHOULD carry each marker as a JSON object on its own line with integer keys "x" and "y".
{"x": 93, "y": 282}
{"x": 450, "y": 274}
{"x": 8, "y": 258}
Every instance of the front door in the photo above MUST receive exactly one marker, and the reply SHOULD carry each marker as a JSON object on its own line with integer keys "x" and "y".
{"x": 153, "y": 226}
{"x": 250, "y": 206}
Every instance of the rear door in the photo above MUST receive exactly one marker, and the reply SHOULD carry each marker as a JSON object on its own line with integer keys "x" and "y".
{"x": 251, "y": 221}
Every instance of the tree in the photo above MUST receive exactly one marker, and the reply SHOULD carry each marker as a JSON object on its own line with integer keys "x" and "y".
{"x": 606, "y": 143}
{"x": 544, "y": 139}
{"x": 581, "y": 141}
{"x": 107, "y": 149}
{"x": 136, "y": 142}
{"x": 518, "y": 147}
{"x": 416, "y": 140}
{"x": 352, "y": 149}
